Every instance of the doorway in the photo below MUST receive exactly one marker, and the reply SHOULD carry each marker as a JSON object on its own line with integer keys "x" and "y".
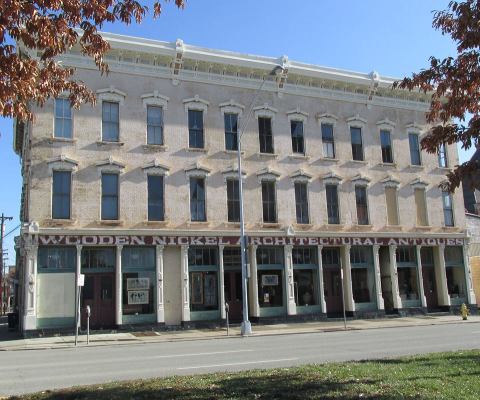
{"x": 99, "y": 294}
{"x": 333, "y": 290}
{"x": 233, "y": 294}
{"x": 429, "y": 287}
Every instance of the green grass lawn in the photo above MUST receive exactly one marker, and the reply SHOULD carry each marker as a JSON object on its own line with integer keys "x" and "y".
{"x": 433, "y": 376}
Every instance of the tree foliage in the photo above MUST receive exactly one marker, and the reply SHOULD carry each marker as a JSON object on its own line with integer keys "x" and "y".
{"x": 50, "y": 28}
{"x": 455, "y": 86}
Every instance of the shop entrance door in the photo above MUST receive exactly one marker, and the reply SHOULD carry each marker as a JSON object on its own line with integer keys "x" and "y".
{"x": 233, "y": 294}
{"x": 99, "y": 294}
{"x": 333, "y": 291}
{"x": 429, "y": 287}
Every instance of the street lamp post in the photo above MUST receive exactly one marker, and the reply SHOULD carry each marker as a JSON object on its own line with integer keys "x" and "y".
{"x": 246, "y": 328}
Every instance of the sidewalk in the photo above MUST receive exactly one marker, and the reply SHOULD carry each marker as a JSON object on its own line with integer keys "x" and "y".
{"x": 105, "y": 339}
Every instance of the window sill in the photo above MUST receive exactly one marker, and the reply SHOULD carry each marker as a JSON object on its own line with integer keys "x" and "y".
{"x": 270, "y": 225}
{"x": 111, "y": 222}
{"x": 107, "y": 143}
{"x": 156, "y": 223}
{"x": 267, "y": 155}
{"x": 198, "y": 223}
{"x": 422, "y": 227}
{"x": 233, "y": 152}
{"x": 52, "y": 140}
{"x": 417, "y": 167}
{"x": 444, "y": 169}
{"x": 232, "y": 225}
{"x": 361, "y": 162}
{"x": 328, "y": 159}
{"x": 196, "y": 150}
{"x": 59, "y": 222}
{"x": 302, "y": 227}
{"x": 387, "y": 165}
{"x": 359, "y": 227}
{"x": 299, "y": 157}
{"x": 155, "y": 147}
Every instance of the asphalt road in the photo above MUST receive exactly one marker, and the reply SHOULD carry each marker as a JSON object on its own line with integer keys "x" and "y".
{"x": 34, "y": 370}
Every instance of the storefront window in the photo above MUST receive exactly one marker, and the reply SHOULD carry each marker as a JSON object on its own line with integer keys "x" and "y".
{"x": 203, "y": 277}
{"x": 305, "y": 269}
{"x": 57, "y": 259}
{"x": 98, "y": 258}
{"x": 270, "y": 276}
{"x": 363, "y": 279}
{"x": 455, "y": 272}
{"x": 407, "y": 273}
{"x": 138, "y": 283}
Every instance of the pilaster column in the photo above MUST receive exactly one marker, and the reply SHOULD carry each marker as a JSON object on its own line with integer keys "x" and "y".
{"x": 290, "y": 286}
{"x": 347, "y": 280}
{"x": 378, "y": 277}
{"x": 397, "y": 301}
{"x": 471, "y": 299}
{"x": 159, "y": 286}
{"x": 254, "y": 306}
{"x": 118, "y": 287}
{"x": 185, "y": 285}
{"x": 222, "y": 282}
{"x": 30, "y": 287}
{"x": 78, "y": 271}
{"x": 321, "y": 287}
{"x": 421, "y": 290}
{"x": 441, "y": 276}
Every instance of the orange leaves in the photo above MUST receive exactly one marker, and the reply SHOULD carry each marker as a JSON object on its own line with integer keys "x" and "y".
{"x": 48, "y": 27}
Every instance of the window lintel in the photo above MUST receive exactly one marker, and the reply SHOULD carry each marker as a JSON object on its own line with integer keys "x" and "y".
{"x": 111, "y": 94}
{"x": 231, "y": 107}
{"x": 154, "y": 99}
{"x": 196, "y": 103}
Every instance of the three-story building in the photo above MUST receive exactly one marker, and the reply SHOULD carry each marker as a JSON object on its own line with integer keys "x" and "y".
{"x": 139, "y": 194}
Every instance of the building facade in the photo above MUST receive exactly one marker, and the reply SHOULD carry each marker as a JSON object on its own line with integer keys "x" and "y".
{"x": 139, "y": 194}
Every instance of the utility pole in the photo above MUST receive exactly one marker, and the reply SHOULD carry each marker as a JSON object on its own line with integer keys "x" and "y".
{"x": 3, "y": 218}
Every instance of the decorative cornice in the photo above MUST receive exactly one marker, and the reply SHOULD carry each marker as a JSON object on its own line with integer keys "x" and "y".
{"x": 326, "y": 118}
{"x": 232, "y": 107}
{"x": 197, "y": 170}
{"x": 356, "y": 120}
{"x": 154, "y": 99}
{"x": 265, "y": 111}
{"x": 232, "y": 173}
{"x": 196, "y": 103}
{"x": 110, "y": 161}
{"x": 360, "y": 180}
{"x": 111, "y": 94}
{"x": 386, "y": 123}
{"x": 156, "y": 168}
{"x": 418, "y": 184}
{"x": 62, "y": 163}
{"x": 301, "y": 176}
{"x": 63, "y": 159}
{"x": 332, "y": 178}
{"x": 414, "y": 128}
{"x": 297, "y": 115}
{"x": 390, "y": 181}
{"x": 267, "y": 174}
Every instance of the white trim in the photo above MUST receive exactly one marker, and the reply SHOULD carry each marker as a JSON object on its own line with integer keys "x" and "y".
{"x": 360, "y": 180}
{"x": 196, "y": 103}
{"x": 154, "y": 99}
{"x": 110, "y": 166}
{"x": 265, "y": 111}
{"x": 62, "y": 163}
{"x": 267, "y": 174}
{"x": 297, "y": 115}
{"x": 156, "y": 168}
{"x": 356, "y": 121}
{"x": 326, "y": 118}
{"x": 332, "y": 179}
{"x": 390, "y": 181}
{"x": 111, "y": 94}
{"x": 232, "y": 173}
{"x": 197, "y": 171}
{"x": 386, "y": 124}
{"x": 419, "y": 184}
{"x": 414, "y": 128}
{"x": 231, "y": 107}
{"x": 301, "y": 176}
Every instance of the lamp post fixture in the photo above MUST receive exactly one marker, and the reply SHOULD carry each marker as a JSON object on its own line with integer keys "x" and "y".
{"x": 246, "y": 328}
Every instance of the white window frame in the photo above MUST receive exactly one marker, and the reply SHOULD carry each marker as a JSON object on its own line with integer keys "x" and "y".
{"x": 71, "y": 138}
{"x": 329, "y": 119}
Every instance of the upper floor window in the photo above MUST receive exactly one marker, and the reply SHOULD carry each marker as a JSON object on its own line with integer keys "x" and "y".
{"x": 109, "y": 196}
{"x": 154, "y": 125}
{"x": 442, "y": 156}
{"x": 328, "y": 141}
{"x": 265, "y": 134}
{"x": 421, "y": 205}
{"x": 386, "y": 144}
{"x": 195, "y": 129}
{"x": 392, "y": 205}
{"x": 447, "y": 208}
{"x": 362, "y": 205}
{"x": 156, "y": 209}
{"x": 233, "y": 200}
{"x": 63, "y": 119}
{"x": 269, "y": 201}
{"x": 231, "y": 131}
{"x": 414, "y": 149}
{"x": 331, "y": 192}
{"x": 197, "y": 199}
{"x": 110, "y": 122}
{"x": 61, "y": 194}
{"x": 357, "y": 145}
{"x": 298, "y": 142}
{"x": 301, "y": 203}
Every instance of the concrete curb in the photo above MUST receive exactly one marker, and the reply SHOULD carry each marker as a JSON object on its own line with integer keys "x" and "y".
{"x": 296, "y": 330}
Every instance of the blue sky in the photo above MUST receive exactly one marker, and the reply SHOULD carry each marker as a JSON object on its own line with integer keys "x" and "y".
{"x": 394, "y": 38}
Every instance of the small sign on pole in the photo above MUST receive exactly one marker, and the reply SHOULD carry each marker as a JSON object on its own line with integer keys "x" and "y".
{"x": 81, "y": 280}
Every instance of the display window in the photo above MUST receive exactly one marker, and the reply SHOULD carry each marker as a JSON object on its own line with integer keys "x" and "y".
{"x": 203, "y": 278}
{"x": 407, "y": 272}
{"x": 363, "y": 275}
{"x": 270, "y": 288}
{"x": 456, "y": 282}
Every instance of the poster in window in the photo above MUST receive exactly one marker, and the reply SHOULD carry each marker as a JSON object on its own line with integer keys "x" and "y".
{"x": 197, "y": 288}
{"x": 138, "y": 283}
{"x": 138, "y": 297}
{"x": 269, "y": 280}
{"x": 210, "y": 290}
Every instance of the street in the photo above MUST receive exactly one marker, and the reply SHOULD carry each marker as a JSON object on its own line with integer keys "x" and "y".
{"x": 28, "y": 371}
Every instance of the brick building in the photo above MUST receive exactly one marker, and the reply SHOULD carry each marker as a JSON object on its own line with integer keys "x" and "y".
{"x": 140, "y": 194}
